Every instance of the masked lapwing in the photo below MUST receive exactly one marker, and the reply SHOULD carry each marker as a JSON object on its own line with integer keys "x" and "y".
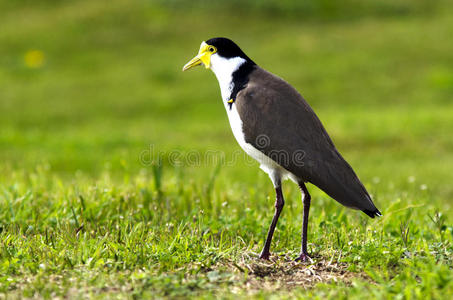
{"x": 274, "y": 124}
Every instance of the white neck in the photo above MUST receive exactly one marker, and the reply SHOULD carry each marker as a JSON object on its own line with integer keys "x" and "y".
{"x": 223, "y": 69}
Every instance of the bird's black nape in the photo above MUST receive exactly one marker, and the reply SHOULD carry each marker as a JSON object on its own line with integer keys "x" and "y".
{"x": 227, "y": 48}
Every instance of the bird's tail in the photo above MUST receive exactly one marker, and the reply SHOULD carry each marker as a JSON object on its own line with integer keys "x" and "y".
{"x": 372, "y": 213}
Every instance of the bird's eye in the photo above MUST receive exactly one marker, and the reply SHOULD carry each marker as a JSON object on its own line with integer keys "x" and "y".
{"x": 211, "y": 49}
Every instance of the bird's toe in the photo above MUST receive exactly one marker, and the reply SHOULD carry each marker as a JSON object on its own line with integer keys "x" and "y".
{"x": 303, "y": 257}
{"x": 265, "y": 255}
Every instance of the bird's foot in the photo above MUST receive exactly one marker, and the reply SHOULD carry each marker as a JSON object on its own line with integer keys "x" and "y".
{"x": 265, "y": 255}
{"x": 303, "y": 257}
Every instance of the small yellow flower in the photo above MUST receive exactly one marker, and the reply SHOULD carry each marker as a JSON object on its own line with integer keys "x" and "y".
{"x": 34, "y": 59}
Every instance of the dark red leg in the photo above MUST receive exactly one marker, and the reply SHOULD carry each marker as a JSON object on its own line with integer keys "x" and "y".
{"x": 307, "y": 199}
{"x": 279, "y": 203}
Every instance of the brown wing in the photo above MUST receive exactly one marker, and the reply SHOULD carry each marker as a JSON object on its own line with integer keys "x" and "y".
{"x": 281, "y": 124}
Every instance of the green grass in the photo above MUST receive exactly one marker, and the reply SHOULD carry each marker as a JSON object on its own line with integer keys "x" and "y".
{"x": 87, "y": 210}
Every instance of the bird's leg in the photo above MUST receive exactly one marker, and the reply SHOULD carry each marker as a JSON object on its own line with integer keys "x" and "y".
{"x": 306, "y": 200}
{"x": 279, "y": 203}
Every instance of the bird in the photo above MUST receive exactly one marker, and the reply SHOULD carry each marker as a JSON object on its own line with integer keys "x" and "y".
{"x": 276, "y": 126}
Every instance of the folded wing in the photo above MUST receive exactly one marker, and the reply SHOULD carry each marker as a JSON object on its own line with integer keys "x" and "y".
{"x": 281, "y": 124}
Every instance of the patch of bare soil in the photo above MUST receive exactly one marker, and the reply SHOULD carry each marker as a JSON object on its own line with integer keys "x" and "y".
{"x": 282, "y": 272}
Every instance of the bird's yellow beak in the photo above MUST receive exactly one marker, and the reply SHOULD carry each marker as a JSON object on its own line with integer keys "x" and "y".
{"x": 203, "y": 57}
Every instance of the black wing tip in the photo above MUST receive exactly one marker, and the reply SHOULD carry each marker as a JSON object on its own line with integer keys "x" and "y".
{"x": 372, "y": 213}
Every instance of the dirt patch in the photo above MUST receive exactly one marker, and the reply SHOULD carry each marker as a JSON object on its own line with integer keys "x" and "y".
{"x": 281, "y": 272}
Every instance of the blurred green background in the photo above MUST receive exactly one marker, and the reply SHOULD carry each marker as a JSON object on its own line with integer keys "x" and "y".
{"x": 92, "y": 98}
{"x": 94, "y": 86}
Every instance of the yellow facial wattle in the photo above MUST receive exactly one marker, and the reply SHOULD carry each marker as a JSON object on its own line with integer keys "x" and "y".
{"x": 203, "y": 57}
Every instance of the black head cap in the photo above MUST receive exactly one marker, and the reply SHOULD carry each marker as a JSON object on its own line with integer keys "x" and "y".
{"x": 227, "y": 48}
